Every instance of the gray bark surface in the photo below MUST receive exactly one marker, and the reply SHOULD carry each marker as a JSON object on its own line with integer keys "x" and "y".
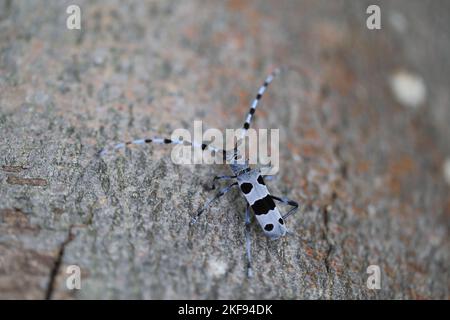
{"x": 367, "y": 169}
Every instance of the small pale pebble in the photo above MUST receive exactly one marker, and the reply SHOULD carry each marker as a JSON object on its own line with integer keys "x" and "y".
{"x": 216, "y": 267}
{"x": 409, "y": 89}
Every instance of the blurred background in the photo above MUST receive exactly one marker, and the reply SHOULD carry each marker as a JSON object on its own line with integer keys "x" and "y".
{"x": 364, "y": 143}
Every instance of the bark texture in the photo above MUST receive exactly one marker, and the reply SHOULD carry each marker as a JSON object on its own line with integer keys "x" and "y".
{"x": 366, "y": 164}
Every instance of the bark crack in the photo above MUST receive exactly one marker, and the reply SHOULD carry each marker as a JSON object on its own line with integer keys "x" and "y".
{"x": 57, "y": 264}
{"x": 329, "y": 242}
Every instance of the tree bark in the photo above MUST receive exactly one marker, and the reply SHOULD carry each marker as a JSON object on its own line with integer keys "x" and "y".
{"x": 365, "y": 164}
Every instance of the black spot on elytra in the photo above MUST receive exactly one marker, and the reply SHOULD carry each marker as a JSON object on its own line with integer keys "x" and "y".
{"x": 148, "y": 140}
{"x": 167, "y": 141}
{"x": 246, "y": 125}
{"x": 268, "y": 227}
{"x": 246, "y": 187}
{"x": 252, "y": 110}
{"x": 263, "y": 206}
{"x": 261, "y": 180}
{"x": 281, "y": 221}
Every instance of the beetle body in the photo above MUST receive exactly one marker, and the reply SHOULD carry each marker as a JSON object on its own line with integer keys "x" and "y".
{"x": 253, "y": 188}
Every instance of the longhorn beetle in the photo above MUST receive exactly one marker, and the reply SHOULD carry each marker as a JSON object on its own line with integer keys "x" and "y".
{"x": 250, "y": 182}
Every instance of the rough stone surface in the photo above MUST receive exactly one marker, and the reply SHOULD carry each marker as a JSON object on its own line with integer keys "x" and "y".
{"x": 368, "y": 171}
